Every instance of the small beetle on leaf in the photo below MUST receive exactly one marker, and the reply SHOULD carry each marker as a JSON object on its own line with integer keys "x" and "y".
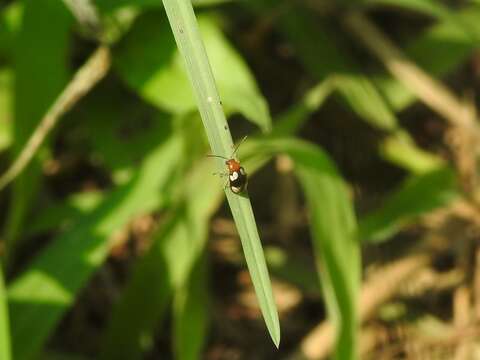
{"x": 237, "y": 177}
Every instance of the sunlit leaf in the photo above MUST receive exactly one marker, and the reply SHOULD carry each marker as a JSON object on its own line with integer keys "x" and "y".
{"x": 47, "y": 288}
{"x": 6, "y": 116}
{"x": 157, "y": 72}
{"x": 400, "y": 149}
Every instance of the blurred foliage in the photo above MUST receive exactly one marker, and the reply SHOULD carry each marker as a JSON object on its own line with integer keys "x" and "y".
{"x": 288, "y": 73}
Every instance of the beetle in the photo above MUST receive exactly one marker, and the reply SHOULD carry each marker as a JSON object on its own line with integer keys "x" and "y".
{"x": 237, "y": 176}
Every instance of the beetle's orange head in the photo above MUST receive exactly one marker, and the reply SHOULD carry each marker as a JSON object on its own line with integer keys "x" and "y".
{"x": 233, "y": 165}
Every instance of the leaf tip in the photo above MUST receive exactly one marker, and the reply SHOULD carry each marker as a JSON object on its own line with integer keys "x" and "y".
{"x": 276, "y": 341}
{"x": 275, "y": 335}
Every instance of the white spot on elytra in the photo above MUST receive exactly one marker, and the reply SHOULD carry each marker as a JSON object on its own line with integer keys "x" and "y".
{"x": 242, "y": 171}
{"x": 234, "y": 176}
{"x": 235, "y": 189}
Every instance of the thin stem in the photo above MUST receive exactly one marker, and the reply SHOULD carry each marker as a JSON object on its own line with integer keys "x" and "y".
{"x": 89, "y": 74}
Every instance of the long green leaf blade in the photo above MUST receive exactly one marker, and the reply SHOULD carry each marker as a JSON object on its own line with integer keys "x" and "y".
{"x": 185, "y": 29}
{"x": 333, "y": 227}
{"x": 158, "y": 74}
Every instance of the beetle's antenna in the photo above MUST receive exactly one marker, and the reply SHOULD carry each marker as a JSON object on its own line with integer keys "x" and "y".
{"x": 240, "y": 143}
{"x": 219, "y": 156}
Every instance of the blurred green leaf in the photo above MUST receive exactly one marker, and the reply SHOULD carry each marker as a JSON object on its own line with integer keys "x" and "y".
{"x": 5, "y": 353}
{"x": 439, "y": 49}
{"x": 293, "y": 118}
{"x": 47, "y": 288}
{"x": 142, "y": 304}
{"x": 190, "y": 313}
{"x": 288, "y": 123}
{"x": 157, "y": 72}
{"x": 319, "y": 50}
{"x": 41, "y": 55}
{"x": 292, "y": 268}
{"x": 363, "y": 97}
{"x": 416, "y": 196}
{"x": 333, "y": 227}
{"x": 61, "y": 215}
{"x": 10, "y": 24}
{"x": 400, "y": 149}
{"x": 164, "y": 269}
{"x": 429, "y": 7}
{"x": 110, "y": 5}
{"x": 6, "y": 116}
{"x": 125, "y": 131}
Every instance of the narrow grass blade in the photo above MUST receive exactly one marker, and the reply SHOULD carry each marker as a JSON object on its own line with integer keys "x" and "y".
{"x": 4, "y": 321}
{"x": 185, "y": 29}
{"x": 333, "y": 227}
{"x": 47, "y": 288}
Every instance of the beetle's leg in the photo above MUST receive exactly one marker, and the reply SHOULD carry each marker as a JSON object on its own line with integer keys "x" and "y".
{"x": 221, "y": 174}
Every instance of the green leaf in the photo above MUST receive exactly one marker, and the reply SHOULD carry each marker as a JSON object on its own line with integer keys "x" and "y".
{"x": 110, "y": 5}
{"x": 144, "y": 300}
{"x": 418, "y": 195}
{"x": 125, "y": 132}
{"x": 428, "y": 7}
{"x": 400, "y": 149}
{"x": 40, "y": 64}
{"x": 292, "y": 268}
{"x": 164, "y": 269}
{"x": 63, "y": 214}
{"x": 185, "y": 29}
{"x": 190, "y": 313}
{"x": 323, "y": 58}
{"x": 10, "y": 24}
{"x": 48, "y": 287}
{"x": 157, "y": 72}
{"x": 6, "y": 116}
{"x": 4, "y": 321}
{"x": 364, "y": 98}
{"x": 293, "y": 118}
{"x": 333, "y": 227}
